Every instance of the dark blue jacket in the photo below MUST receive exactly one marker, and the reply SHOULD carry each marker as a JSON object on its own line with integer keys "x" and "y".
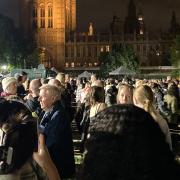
{"x": 56, "y": 127}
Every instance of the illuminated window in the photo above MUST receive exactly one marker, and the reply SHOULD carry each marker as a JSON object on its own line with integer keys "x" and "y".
{"x": 42, "y": 12}
{"x": 50, "y": 11}
{"x": 34, "y": 12}
{"x": 50, "y": 17}
{"x": 67, "y": 64}
{"x": 141, "y": 32}
{"x": 107, "y": 48}
{"x": 90, "y": 64}
{"x": 72, "y": 64}
{"x": 102, "y": 49}
{"x": 42, "y": 17}
{"x": 78, "y": 64}
{"x": 50, "y": 23}
{"x": 140, "y": 18}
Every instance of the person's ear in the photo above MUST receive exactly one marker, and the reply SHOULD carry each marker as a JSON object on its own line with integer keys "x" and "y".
{"x": 54, "y": 98}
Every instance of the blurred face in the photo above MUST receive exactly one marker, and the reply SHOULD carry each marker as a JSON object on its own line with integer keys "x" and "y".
{"x": 125, "y": 96}
{"x": 46, "y": 100}
{"x": 24, "y": 78}
{"x": 93, "y": 78}
{"x": 137, "y": 103}
{"x": 12, "y": 88}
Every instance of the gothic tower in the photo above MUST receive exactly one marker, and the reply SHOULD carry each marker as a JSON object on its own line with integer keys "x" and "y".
{"x": 141, "y": 23}
{"x": 116, "y": 25}
{"x": 52, "y": 21}
{"x": 130, "y": 25}
{"x": 174, "y": 27}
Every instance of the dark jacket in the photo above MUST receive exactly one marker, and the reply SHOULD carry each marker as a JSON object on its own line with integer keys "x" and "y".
{"x": 110, "y": 96}
{"x": 21, "y": 92}
{"x": 33, "y": 105}
{"x": 56, "y": 127}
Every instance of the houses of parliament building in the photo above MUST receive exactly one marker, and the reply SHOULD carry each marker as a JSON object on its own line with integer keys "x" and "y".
{"x": 53, "y": 25}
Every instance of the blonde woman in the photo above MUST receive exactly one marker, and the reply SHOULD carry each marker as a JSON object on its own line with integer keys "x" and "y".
{"x": 143, "y": 97}
{"x": 125, "y": 94}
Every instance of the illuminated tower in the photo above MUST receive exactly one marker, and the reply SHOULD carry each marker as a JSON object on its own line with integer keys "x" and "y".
{"x": 52, "y": 21}
{"x": 91, "y": 30}
{"x": 141, "y": 24}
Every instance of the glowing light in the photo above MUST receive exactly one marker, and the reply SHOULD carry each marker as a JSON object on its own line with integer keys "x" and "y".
{"x": 141, "y": 32}
{"x": 140, "y": 18}
{"x": 102, "y": 49}
{"x": 4, "y": 67}
{"x": 107, "y": 48}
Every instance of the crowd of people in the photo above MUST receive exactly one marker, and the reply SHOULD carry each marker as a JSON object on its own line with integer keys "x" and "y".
{"x": 124, "y": 127}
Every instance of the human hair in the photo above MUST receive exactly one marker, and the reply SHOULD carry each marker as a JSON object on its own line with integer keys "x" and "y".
{"x": 19, "y": 133}
{"x": 172, "y": 90}
{"x": 61, "y": 78}
{"x": 52, "y": 90}
{"x": 97, "y": 95}
{"x": 54, "y": 82}
{"x": 35, "y": 84}
{"x": 125, "y": 143}
{"x": 144, "y": 95}
{"x": 19, "y": 79}
{"x": 23, "y": 73}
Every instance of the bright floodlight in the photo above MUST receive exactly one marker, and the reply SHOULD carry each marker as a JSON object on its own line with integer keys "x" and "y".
{"x": 4, "y": 67}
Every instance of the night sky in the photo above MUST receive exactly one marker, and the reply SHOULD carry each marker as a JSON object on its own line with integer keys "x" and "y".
{"x": 157, "y": 13}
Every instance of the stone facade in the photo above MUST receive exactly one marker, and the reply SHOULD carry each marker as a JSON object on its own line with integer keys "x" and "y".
{"x": 53, "y": 24}
{"x": 51, "y": 21}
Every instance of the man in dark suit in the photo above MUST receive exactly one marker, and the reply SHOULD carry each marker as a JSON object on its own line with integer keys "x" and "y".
{"x": 55, "y": 125}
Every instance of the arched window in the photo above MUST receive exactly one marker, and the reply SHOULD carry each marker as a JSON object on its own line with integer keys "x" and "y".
{"x": 42, "y": 17}
{"x": 34, "y": 12}
{"x": 50, "y": 16}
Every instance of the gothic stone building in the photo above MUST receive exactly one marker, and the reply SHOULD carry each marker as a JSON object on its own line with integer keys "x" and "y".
{"x": 53, "y": 24}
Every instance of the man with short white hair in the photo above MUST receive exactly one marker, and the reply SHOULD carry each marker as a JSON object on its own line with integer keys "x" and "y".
{"x": 55, "y": 125}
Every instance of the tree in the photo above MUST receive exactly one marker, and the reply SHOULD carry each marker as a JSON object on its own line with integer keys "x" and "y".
{"x": 7, "y": 41}
{"x": 121, "y": 55}
{"x": 175, "y": 52}
{"x": 14, "y": 48}
{"x": 33, "y": 58}
{"x": 175, "y": 56}
{"x": 166, "y": 58}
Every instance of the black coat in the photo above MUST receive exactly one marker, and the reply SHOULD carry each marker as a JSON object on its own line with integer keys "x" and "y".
{"x": 56, "y": 127}
{"x": 33, "y": 105}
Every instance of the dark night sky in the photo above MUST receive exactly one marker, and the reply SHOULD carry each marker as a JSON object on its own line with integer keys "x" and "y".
{"x": 157, "y": 13}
